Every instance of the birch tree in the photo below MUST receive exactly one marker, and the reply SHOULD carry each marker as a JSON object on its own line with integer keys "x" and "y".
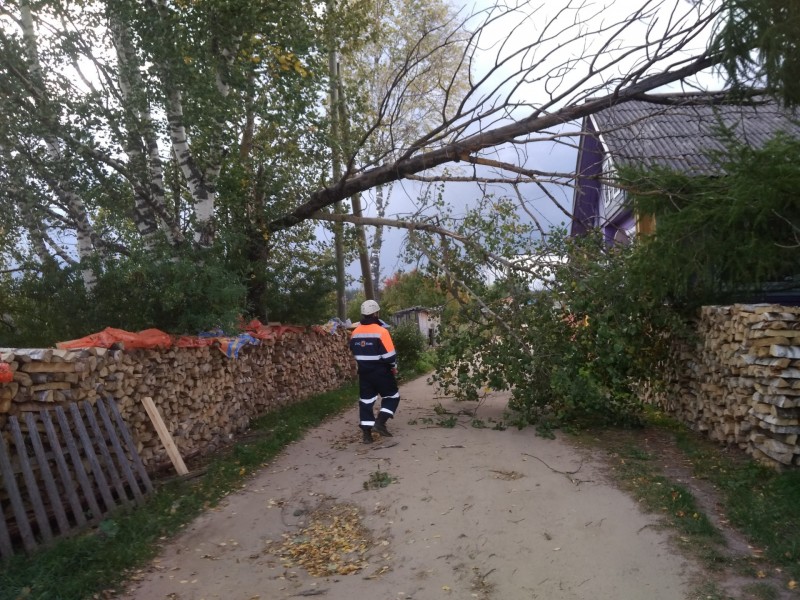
{"x": 194, "y": 124}
{"x": 123, "y": 121}
{"x": 423, "y": 38}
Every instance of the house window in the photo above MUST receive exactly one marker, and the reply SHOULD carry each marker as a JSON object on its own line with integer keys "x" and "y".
{"x": 612, "y": 196}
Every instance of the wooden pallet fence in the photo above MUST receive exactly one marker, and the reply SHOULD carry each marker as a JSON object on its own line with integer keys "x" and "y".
{"x": 63, "y": 470}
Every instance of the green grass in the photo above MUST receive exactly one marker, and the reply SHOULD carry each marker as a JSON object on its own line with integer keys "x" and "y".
{"x": 658, "y": 494}
{"x": 422, "y": 366}
{"x": 760, "y": 502}
{"x": 100, "y": 559}
{"x": 378, "y": 479}
{"x": 762, "y": 591}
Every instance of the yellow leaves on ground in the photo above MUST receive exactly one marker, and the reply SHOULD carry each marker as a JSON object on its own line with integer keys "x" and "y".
{"x": 334, "y": 543}
{"x": 507, "y": 475}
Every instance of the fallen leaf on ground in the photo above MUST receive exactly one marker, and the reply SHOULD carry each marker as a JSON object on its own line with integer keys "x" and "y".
{"x": 334, "y": 543}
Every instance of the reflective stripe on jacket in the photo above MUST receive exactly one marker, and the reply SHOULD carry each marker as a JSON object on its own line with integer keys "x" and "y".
{"x": 372, "y": 347}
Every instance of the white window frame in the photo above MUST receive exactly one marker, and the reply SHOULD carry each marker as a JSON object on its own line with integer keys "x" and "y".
{"x": 613, "y": 197}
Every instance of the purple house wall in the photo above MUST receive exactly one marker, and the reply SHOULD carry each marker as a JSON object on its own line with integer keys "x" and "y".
{"x": 676, "y": 131}
{"x": 586, "y": 199}
{"x": 587, "y": 208}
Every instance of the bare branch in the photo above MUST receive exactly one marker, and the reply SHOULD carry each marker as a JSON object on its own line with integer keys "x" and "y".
{"x": 413, "y": 226}
{"x": 473, "y": 294}
{"x": 451, "y": 152}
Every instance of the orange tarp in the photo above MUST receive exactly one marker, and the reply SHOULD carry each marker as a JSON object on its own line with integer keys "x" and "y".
{"x": 149, "y": 338}
{"x": 155, "y": 338}
{"x": 267, "y": 332}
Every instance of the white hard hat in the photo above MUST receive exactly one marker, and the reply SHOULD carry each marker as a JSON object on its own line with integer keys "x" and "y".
{"x": 369, "y": 307}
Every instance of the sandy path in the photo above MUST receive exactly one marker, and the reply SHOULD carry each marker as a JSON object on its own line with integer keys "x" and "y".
{"x": 472, "y": 513}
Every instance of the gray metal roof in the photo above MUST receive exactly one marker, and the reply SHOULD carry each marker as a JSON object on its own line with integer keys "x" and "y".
{"x": 678, "y": 134}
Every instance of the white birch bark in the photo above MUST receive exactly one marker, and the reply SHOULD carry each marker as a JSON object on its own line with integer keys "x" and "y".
{"x": 377, "y": 239}
{"x": 195, "y": 180}
{"x": 204, "y": 210}
{"x": 74, "y": 204}
{"x": 150, "y": 213}
{"x": 203, "y": 195}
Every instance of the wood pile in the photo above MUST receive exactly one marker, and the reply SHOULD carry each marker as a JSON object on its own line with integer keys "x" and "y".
{"x": 741, "y": 383}
{"x": 203, "y": 396}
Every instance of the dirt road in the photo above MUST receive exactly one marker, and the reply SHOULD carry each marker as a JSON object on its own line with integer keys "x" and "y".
{"x": 466, "y": 512}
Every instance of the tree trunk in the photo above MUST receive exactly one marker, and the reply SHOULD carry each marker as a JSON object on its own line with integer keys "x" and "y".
{"x": 202, "y": 194}
{"x": 363, "y": 253}
{"x": 338, "y": 228}
{"x": 413, "y": 162}
{"x": 361, "y": 238}
{"x": 62, "y": 188}
{"x": 377, "y": 240}
{"x": 141, "y": 157}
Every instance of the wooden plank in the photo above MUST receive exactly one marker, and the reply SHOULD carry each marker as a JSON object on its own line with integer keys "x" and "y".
{"x": 164, "y": 435}
{"x": 88, "y": 449}
{"x": 30, "y": 481}
{"x": 48, "y": 367}
{"x": 46, "y": 474}
{"x": 126, "y": 436}
{"x": 66, "y": 477}
{"x": 111, "y": 467}
{"x": 6, "y": 548}
{"x": 77, "y": 464}
{"x": 20, "y": 515}
{"x": 122, "y": 459}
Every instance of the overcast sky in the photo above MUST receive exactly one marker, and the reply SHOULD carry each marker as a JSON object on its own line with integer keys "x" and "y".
{"x": 540, "y": 156}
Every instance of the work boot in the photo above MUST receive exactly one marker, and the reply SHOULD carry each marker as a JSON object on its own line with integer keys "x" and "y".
{"x": 367, "y": 436}
{"x": 380, "y": 424}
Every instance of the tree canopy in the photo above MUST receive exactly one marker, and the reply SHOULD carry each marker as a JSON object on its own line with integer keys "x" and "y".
{"x": 142, "y": 140}
{"x": 724, "y": 238}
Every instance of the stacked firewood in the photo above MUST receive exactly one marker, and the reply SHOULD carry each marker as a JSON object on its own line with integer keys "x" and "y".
{"x": 203, "y": 396}
{"x": 741, "y": 382}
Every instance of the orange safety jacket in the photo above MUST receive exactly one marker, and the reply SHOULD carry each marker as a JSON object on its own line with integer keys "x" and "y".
{"x": 372, "y": 348}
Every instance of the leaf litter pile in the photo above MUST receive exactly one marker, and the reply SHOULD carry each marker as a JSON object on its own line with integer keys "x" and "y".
{"x": 334, "y": 543}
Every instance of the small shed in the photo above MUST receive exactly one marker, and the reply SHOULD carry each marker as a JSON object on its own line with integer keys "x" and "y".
{"x": 428, "y": 320}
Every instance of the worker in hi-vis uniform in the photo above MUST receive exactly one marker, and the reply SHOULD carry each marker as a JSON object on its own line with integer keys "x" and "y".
{"x": 373, "y": 350}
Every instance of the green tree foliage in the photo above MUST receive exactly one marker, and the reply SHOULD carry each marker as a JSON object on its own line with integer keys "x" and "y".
{"x": 164, "y": 133}
{"x": 719, "y": 238}
{"x": 38, "y": 308}
{"x": 414, "y": 288}
{"x": 354, "y": 305}
{"x": 572, "y": 351}
{"x": 134, "y": 293}
{"x": 760, "y": 44}
{"x": 405, "y": 73}
{"x": 405, "y": 290}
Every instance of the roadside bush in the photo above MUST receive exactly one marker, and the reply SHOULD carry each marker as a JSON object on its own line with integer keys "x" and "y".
{"x": 40, "y": 308}
{"x": 409, "y": 344}
{"x": 186, "y": 294}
